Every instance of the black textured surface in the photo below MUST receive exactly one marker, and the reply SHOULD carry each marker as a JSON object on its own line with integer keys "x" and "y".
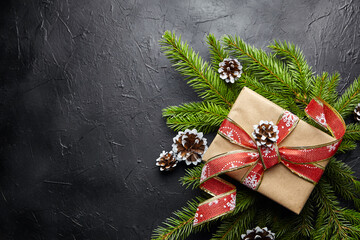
{"x": 82, "y": 88}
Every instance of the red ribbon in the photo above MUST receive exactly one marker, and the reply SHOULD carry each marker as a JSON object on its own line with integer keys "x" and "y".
{"x": 302, "y": 161}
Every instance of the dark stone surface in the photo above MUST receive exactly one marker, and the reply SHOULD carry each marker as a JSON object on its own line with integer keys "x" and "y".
{"x": 82, "y": 88}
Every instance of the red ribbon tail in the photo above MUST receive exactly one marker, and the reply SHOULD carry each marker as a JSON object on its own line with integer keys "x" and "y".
{"x": 223, "y": 203}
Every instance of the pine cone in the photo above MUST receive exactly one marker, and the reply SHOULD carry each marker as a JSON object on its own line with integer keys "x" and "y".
{"x": 357, "y": 113}
{"x": 166, "y": 161}
{"x": 230, "y": 70}
{"x": 258, "y": 233}
{"x": 265, "y": 134}
{"x": 189, "y": 146}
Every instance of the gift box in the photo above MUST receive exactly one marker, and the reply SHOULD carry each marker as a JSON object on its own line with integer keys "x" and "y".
{"x": 279, "y": 180}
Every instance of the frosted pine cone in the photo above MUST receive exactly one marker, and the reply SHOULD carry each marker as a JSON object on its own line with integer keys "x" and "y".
{"x": 189, "y": 146}
{"x": 265, "y": 134}
{"x": 166, "y": 161}
{"x": 258, "y": 233}
{"x": 230, "y": 70}
{"x": 357, "y": 113}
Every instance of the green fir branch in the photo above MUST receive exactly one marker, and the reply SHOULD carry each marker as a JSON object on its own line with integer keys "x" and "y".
{"x": 181, "y": 225}
{"x": 217, "y": 52}
{"x": 340, "y": 176}
{"x": 347, "y": 145}
{"x": 266, "y": 68}
{"x": 199, "y": 74}
{"x": 331, "y": 224}
{"x": 348, "y": 101}
{"x": 352, "y": 132}
{"x": 191, "y": 179}
{"x": 203, "y": 116}
{"x": 298, "y": 226}
{"x": 325, "y": 87}
{"x": 232, "y": 228}
{"x": 296, "y": 63}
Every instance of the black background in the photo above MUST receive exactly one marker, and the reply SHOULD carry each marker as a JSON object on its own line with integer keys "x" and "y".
{"x": 83, "y": 84}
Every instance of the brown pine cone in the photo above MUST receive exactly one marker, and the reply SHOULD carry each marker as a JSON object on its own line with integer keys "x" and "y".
{"x": 189, "y": 146}
{"x": 265, "y": 134}
{"x": 166, "y": 161}
{"x": 357, "y": 113}
{"x": 258, "y": 233}
{"x": 230, "y": 70}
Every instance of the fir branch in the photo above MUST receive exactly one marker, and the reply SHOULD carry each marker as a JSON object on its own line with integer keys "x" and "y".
{"x": 297, "y": 226}
{"x": 199, "y": 75}
{"x": 352, "y": 132}
{"x": 330, "y": 212}
{"x": 296, "y": 63}
{"x": 349, "y": 99}
{"x": 180, "y": 226}
{"x": 192, "y": 177}
{"x": 245, "y": 199}
{"x": 233, "y": 227}
{"x": 325, "y": 87}
{"x": 217, "y": 52}
{"x": 352, "y": 216}
{"x": 267, "y": 68}
{"x": 203, "y": 116}
{"x": 347, "y": 145}
{"x": 340, "y": 176}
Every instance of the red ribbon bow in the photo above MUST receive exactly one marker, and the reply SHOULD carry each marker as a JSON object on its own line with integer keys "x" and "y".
{"x": 302, "y": 161}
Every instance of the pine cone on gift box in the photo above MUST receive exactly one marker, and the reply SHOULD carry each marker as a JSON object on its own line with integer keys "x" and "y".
{"x": 230, "y": 70}
{"x": 265, "y": 134}
{"x": 258, "y": 233}
{"x": 166, "y": 161}
{"x": 357, "y": 113}
{"x": 189, "y": 146}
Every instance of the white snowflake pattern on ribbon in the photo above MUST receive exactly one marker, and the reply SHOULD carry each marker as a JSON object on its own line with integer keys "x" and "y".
{"x": 232, "y": 203}
{"x": 204, "y": 172}
{"x": 332, "y": 147}
{"x": 252, "y": 155}
{"x": 252, "y": 180}
{"x": 269, "y": 150}
{"x": 289, "y": 118}
{"x": 196, "y": 218}
{"x": 321, "y": 119}
{"x": 230, "y": 133}
{"x": 213, "y": 202}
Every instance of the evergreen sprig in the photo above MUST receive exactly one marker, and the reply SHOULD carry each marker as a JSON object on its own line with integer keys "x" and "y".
{"x": 198, "y": 73}
{"x": 325, "y": 87}
{"x": 204, "y": 116}
{"x": 352, "y": 132}
{"x": 284, "y": 77}
{"x": 295, "y": 60}
{"x": 180, "y": 226}
{"x": 217, "y": 52}
{"x": 351, "y": 97}
{"x": 266, "y": 68}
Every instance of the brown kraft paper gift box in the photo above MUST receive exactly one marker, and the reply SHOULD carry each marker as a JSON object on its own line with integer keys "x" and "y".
{"x": 279, "y": 183}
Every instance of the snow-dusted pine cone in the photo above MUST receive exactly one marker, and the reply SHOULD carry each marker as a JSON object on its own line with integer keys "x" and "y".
{"x": 265, "y": 134}
{"x": 230, "y": 70}
{"x": 166, "y": 161}
{"x": 258, "y": 233}
{"x": 189, "y": 146}
{"x": 357, "y": 113}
